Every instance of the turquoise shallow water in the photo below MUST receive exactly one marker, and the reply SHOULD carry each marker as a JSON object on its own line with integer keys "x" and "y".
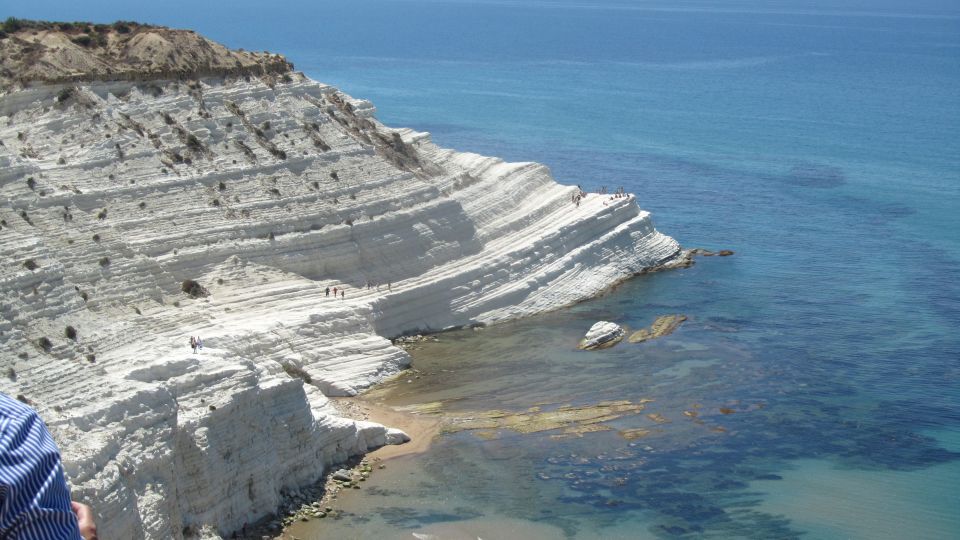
{"x": 817, "y": 139}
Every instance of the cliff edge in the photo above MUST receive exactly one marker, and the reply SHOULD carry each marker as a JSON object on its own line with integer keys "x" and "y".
{"x": 139, "y": 207}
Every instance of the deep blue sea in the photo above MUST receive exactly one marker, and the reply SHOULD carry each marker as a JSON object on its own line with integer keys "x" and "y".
{"x": 818, "y": 139}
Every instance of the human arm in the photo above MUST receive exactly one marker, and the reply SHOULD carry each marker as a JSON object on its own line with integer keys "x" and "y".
{"x": 88, "y": 527}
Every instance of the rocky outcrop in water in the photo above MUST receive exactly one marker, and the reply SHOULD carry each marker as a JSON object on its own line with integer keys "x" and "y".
{"x": 602, "y": 335}
{"x": 278, "y": 220}
{"x": 663, "y": 326}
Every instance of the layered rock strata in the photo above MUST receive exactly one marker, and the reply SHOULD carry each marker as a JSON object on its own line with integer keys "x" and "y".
{"x": 135, "y": 215}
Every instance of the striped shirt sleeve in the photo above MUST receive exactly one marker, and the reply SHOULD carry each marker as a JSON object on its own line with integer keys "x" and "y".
{"x": 34, "y": 497}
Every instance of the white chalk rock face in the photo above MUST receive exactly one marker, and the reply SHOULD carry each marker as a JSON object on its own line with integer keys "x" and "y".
{"x": 602, "y": 333}
{"x": 116, "y": 198}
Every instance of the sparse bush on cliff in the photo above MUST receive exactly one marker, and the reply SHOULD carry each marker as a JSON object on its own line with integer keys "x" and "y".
{"x": 297, "y": 372}
{"x": 194, "y": 143}
{"x": 83, "y": 40}
{"x": 45, "y": 344}
{"x": 30, "y": 264}
{"x": 194, "y": 289}
{"x": 32, "y": 184}
{"x": 64, "y": 95}
{"x": 104, "y": 261}
{"x": 11, "y": 25}
{"x": 70, "y": 332}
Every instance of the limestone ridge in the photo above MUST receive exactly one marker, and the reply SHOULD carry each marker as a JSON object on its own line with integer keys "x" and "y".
{"x": 136, "y": 214}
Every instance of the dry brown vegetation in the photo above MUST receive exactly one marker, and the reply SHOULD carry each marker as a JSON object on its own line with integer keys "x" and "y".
{"x": 59, "y": 52}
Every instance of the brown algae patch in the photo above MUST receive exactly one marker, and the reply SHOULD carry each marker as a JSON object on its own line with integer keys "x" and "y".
{"x": 573, "y": 420}
{"x": 632, "y": 434}
{"x": 663, "y": 326}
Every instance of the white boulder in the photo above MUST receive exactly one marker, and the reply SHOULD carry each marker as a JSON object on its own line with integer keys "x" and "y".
{"x": 602, "y": 334}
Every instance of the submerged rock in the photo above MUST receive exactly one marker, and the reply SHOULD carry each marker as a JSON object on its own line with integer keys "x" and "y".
{"x": 602, "y": 335}
{"x": 574, "y": 420}
{"x": 664, "y": 325}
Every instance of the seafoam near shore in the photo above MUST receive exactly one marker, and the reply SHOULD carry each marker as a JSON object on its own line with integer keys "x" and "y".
{"x": 118, "y": 197}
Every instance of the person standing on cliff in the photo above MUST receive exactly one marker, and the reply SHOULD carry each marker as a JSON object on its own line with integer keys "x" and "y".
{"x": 334, "y": 292}
{"x": 34, "y": 497}
{"x": 327, "y": 292}
{"x": 343, "y": 294}
{"x": 193, "y": 344}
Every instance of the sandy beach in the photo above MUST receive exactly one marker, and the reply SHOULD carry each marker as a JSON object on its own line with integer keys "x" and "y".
{"x": 421, "y": 429}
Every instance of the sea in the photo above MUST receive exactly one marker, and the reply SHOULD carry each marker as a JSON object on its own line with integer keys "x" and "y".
{"x": 813, "y": 392}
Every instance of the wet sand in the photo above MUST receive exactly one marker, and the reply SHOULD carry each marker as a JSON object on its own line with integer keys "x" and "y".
{"x": 421, "y": 429}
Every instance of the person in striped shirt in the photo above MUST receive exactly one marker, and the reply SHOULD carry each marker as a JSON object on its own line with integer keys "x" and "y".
{"x": 34, "y": 498}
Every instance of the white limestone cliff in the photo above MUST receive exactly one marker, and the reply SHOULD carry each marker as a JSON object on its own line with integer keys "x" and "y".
{"x": 265, "y": 192}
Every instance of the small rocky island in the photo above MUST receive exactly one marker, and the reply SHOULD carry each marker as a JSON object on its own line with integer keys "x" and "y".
{"x": 157, "y": 187}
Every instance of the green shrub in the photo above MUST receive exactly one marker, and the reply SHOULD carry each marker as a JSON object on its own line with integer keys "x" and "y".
{"x": 11, "y": 25}
{"x": 194, "y": 289}
{"x": 83, "y": 40}
{"x": 297, "y": 372}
